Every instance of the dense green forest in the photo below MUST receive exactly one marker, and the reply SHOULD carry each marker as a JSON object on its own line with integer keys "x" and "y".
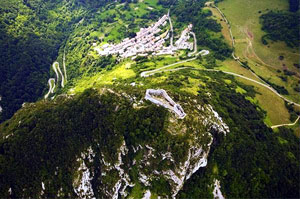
{"x": 294, "y": 5}
{"x": 251, "y": 161}
{"x": 281, "y": 26}
{"x": 31, "y": 33}
{"x": 48, "y": 136}
{"x": 51, "y": 135}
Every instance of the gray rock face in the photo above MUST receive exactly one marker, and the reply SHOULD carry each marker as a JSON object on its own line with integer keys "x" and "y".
{"x": 82, "y": 185}
{"x": 138, "y": 167}
{"x": 0, "y": 106}
{"x": 154, "y": 95}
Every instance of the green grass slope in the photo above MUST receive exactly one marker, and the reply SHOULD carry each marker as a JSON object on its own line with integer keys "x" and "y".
{"x": 244, "y": 17}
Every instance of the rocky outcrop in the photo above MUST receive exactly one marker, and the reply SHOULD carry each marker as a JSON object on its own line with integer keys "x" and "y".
{"x": 197, "y": 157}
{"x": 154, "y": 95}
{"x": 217, "y": 190}
{"x": 145, "y": 158}
{"x": 124, "y": 180}
{"x": 82, "y": 185}
{"x": 147, "y": 195}
{"x": 213, "y": 120}
{"x": 119, "y": 187}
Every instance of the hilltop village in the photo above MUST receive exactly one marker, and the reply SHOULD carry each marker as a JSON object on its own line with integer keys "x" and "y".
{"x": 150, "y": 40}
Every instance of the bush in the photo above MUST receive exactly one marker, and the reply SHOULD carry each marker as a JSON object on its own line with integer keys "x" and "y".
{"x": 282, "y": 26}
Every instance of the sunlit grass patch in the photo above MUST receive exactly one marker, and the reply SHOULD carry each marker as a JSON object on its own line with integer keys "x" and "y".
{"x": 240, "y": 90}
{"x": 119, "y": 72}
{"x": 271, "y": 103}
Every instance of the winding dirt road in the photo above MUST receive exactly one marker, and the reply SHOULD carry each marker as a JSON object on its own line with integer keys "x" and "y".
{"x": 56, "y": 68}
{"x": 51, "y": 88}
{"x": 195, "y": 44}
{"x": 62, "y": 76}
{"x": 291, "y": 124}
{"x": 162, "y": 69}
{"x": 64, "y": 65}
{"x": 171, "y": 29}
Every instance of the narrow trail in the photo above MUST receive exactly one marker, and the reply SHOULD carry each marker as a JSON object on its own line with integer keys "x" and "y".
{"x": 253, "y": 73}
{"x": 291, "y": 124}
{"x": 55, "y": 69}
{"x": 227, "y": 22}
{"x": 232, "y": 39}
{"x": 195, "y": 44}
{"x": 62, "y": 76}
{"x": 159, "y": 70}
{"x": 51, "y": 88}
{"x": 250, "y": 46}
{"x": 64, "y": 65}
{"x": 171, "y": 29}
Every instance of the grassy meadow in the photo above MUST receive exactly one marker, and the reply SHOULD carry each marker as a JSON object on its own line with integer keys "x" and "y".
{"x": 243, "y": 16}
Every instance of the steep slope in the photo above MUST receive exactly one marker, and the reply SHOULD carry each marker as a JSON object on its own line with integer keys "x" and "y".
{"x": 99, "y": 145}
{"x": 268, "y": 45}
{"x": 31, "y": 35}
{"x": 112, "y": 142}
{"x": 100, "y": 133}
{"x": 30, "y": 39}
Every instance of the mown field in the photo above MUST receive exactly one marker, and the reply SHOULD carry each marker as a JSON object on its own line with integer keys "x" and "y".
{"x": 246, "y": 19}
{"x": 263, "y": 59}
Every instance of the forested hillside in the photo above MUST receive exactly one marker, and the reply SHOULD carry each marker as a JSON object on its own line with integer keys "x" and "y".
{"x": 41, "y": 147}
{"x": 35, "y": 33}
{"x": 247, "y": 160}
{"x": 182, "y": 116}
{"x": 31, "y": 34}
{"x": 57, "y": 132}
{"x": 281, "y": 26}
